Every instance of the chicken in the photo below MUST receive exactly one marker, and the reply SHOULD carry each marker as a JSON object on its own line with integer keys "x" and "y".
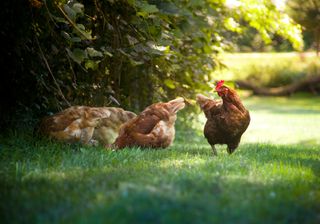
{"x": 152, "y": 128}
{"x": 227, "y": 120}
{"x": 87, "y": 125}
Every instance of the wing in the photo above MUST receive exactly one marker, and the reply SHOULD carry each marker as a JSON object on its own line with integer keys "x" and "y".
{"x": 157, "y": 137}
{"x": 145, "y": 124}
{"x": 138, "y": 131}
{"x": 234, "y": 122}
{"x": 82, "y": 116}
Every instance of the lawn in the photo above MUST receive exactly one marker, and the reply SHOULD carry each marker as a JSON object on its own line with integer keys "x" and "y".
{"x": 273, "y": 177}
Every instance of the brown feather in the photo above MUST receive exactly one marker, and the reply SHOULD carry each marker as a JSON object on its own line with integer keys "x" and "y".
{"x": 153, "y": 127}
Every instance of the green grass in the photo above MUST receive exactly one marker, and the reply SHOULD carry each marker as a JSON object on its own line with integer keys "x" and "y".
{"x": 273, "y": 177}
{"x": 281, "y": 120}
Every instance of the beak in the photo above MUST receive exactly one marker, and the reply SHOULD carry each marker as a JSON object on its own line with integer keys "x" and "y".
{"x": 177, "y": 104}
{"x": 187, "y": 102}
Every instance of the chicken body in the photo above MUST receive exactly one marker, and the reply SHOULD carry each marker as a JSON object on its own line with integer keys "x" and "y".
{"x": 87, "y": 125}
{"x": 152, "y": 128}
{"x": 227, "y": 120}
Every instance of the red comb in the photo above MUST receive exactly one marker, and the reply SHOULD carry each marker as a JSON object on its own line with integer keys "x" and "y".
{"x": 219, "y": 84}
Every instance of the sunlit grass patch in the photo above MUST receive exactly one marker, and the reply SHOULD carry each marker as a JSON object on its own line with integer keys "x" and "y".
{"x": 268, "y": 69}
{"x": 283, "y": 120}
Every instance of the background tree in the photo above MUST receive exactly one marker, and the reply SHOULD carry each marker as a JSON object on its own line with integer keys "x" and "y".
{"x": 307, "y": 13}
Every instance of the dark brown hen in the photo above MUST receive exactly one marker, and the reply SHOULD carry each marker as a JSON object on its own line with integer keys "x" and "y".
{"x": 227, "y": 120}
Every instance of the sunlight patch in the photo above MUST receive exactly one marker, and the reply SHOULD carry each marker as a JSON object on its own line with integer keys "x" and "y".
{"x": 182, "y": 163}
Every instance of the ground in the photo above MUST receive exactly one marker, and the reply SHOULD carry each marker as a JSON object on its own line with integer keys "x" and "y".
{"x": 273, "y": 177}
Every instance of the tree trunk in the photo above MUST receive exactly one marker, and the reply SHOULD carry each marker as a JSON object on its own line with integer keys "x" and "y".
{"x": 318, "y": 46}
{"x": 317, "y": 36}
{"x": 282, "y": 90}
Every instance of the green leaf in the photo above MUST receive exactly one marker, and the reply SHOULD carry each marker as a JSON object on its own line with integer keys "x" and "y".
{"x": 70, "y": 12}
{"x": 108, "y": 53}
{"x": 82, "y": 31}
{"x": 124, "y": 53}
{"x": 81, "y": 26}
{"x": 131, "y": 2}
{"x": 60, "y": 19}
{"x": 135, "y": 63}
{"x": 169, "y": 83}
{"x": 94, "y": 53}
{"x": 232, "y": 25}
{"x": 132, "y": 40}
{"x": 105, "y": 52}
{"x": 145, "y": 7}
{"x": 66, "y": 35}
{"x": 87, "y": 35}
{"x": 76, "y": 39}
{"x": 77, "y": 55}
{"x": 107, "y": 72}
{"x": 168, "y": 8}
{"x": 94, "y": 65}
{"x": 78, "y": 7}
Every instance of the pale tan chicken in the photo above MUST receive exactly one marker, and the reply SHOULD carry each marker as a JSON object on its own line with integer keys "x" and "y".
{"x": 152, "y": 128}
{"x": 87, "y": 125}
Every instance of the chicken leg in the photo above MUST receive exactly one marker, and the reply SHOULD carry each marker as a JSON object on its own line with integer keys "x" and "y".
{"x": 215, "y": 153}
{"x": 232, "y": 146}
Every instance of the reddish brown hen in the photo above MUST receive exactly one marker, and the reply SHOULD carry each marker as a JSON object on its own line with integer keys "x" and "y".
{"x": 227, "y": 120}
{"x": 152, "y": 128}
{"x": 87, "y": 125}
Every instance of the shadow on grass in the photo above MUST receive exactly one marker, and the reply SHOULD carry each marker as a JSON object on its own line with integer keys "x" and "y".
{"x": 156, "y": 195}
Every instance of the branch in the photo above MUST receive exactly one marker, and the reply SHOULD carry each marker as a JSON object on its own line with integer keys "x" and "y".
{"x": 50, "y": 72}
{"x": 74, "y": 74}
{"x": 73, "y": 24}
{"x": 279, "y": 91}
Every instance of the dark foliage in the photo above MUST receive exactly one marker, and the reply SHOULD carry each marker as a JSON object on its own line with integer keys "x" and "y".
{"x": 136, "y": 52}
